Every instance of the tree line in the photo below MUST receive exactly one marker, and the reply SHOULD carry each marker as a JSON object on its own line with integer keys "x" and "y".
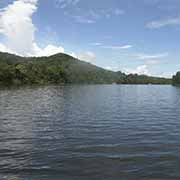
{"x": 63, "y": 69}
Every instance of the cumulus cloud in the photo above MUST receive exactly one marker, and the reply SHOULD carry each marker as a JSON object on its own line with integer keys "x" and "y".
{"x": 18, "y": 30}
{"x": 47, "y": 51}
{"x": 17, "y": 27}
{"x": 142, "y": 69}
{"x": 3, "y": 48}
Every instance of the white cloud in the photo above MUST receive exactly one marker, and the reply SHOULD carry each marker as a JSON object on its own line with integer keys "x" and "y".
{"x": 85, "y": 56}
{"x": 162, "y": 23}
{"x": 165, "y": 74}
{"x": 17, "y": 28}
{"x": 150, "y": 56}
{"x": 113, "y": 47}
{"x": 118, "y": 47}
{"x": 16, "y": 25}
{"x": 112, "y": 68}
{"x": 108, "y": 13}
{"x": 3, "y": 48}
{"x": 65, "y": 3}
{"x": 142, "y": 69}
{"x": 96, "y": 44}
{"x": 84, "y": 19}
{"x": 152, "y": 62}
{"x": 74, "y": 55}
{"x": 91, "y": 16}
{"x": 47, "y": 51}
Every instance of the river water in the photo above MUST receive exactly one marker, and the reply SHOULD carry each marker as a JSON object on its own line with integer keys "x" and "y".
{"x": 89, "y": 132}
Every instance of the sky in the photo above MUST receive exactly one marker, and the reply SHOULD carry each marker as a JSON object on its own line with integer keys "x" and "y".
{"x": 132, "y": 36}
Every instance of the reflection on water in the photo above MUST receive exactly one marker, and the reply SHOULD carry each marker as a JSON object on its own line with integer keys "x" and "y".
{"x": 90, "y": 132}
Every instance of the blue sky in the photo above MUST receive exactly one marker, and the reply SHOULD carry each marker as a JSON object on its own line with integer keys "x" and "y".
{"x": 134, "y": 36}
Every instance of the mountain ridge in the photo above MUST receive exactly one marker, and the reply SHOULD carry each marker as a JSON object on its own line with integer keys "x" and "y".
{"x": 63, "y": 69}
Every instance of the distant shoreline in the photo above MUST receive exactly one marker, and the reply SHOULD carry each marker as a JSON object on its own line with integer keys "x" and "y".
{"x": 64, "y": 69}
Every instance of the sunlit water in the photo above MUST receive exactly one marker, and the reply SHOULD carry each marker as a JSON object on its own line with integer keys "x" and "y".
{"x": 113, "y": 132}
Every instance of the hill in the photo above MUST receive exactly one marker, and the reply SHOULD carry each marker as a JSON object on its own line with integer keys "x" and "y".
{"x": 62, "y": 69}
{"x": 176, "y": 79}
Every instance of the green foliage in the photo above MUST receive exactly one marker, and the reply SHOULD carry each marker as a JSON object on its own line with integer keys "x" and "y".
{"x": 60, "y": 69}
{"x": 143, "y": 79}
{"x": 176, "y": 79}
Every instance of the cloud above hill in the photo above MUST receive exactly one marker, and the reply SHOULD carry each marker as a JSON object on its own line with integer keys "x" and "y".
{"x": 18, "y": 30}
{"x": 87, "y": 56}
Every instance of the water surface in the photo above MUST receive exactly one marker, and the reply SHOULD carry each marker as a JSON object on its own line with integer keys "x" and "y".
{"x": 113, "y": 132}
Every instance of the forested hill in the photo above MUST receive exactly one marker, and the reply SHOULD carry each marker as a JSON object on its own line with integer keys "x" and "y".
{"x": 62, "y": 69}
{"x": 176, "y": 79}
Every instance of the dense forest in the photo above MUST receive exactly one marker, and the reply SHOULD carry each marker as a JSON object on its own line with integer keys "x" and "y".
{"x": 176, "y": 79}
{"x": 63, "y": 69}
